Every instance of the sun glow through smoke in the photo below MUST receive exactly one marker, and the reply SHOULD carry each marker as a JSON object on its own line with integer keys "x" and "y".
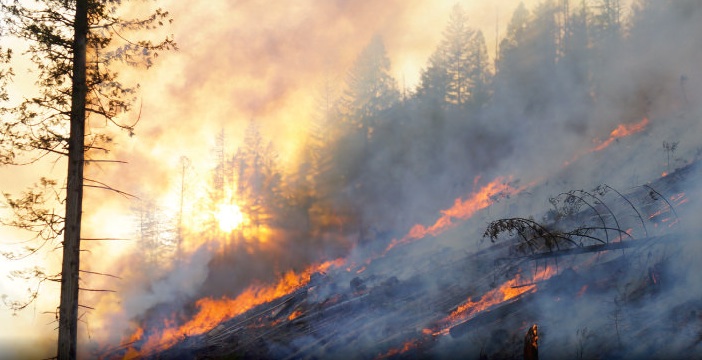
{"x": 229, "y": 217}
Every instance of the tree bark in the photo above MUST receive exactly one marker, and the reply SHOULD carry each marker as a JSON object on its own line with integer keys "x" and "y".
{"x": 68, "y": 308}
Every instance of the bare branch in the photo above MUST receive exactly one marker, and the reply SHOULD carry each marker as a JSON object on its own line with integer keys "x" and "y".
{"x": 99, "y": 273}
{"x": 97, "y": 290}
{"x": 102, "y": 185}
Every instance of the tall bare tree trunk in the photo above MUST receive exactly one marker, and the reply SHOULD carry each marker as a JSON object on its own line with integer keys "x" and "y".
{"x": 68, "y": 309}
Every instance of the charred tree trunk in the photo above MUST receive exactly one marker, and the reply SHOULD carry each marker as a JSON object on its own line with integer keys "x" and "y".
{"x": 68, "y": 308}
{"x": 531, "y": 344}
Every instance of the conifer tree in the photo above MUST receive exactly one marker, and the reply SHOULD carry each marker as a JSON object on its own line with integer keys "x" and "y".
{"x": 370, "y": 87}
{"x": 73, "y": 47}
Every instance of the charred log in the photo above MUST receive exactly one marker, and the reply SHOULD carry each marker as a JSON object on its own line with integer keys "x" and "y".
{"x": 531, "y": 343}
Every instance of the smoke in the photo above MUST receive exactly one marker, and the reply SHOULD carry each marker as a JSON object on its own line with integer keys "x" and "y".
{"x": 413, "y": 170}
{"x": 148, "y": 291}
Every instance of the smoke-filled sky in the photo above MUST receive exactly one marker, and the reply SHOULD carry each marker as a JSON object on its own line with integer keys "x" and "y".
{"x": 238, "y": 61}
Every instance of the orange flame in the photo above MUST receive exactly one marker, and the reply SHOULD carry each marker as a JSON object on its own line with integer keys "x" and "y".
{"x": 679, "y": 199}
{"x": 621, "y": 131}
{"x": 214, "y": 311}
{"x": 408, "y": 345}
{"x": 507, "y": 291}
{"x": 131, "y": 352}
{"x": 582, "y": 291}
{"x": 461, "y": 210}
{"x": 295, "y": 314}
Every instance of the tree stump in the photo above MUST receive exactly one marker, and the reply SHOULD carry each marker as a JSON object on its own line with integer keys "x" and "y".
{"x": 531, "y": 343}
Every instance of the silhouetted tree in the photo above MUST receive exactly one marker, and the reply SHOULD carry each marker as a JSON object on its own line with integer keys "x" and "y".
{"x": 73, "y": 46}
{"x": 480, "y": 74}
{"x": 456, "y": 50}
{"x": 371, "y": 89}
{"x": 434, "y": 80}
{"x": 528, "y": 57}
{"x": 257, "y": 178}
{"x": 515, "y": 38}
{"x": 458, "y": 72}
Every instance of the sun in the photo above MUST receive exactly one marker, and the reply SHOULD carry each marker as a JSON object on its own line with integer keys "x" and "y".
{"x": 229, "y": 217}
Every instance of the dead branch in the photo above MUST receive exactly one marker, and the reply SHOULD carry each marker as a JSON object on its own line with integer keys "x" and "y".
{"x": 97, "y": 290}
{"x": 571, "y": 200}
{"x": 99, "y": 273}
{"x": 102, "y": 185}
{"x": 105, "y": 239}
{"x": 643, "y": 224}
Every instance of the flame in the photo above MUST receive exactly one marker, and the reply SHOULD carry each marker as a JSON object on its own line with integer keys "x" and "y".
{"x": 679, "y": 199}
{"x": 212, "y": 312}
{"x": 461, "y": 210}
{"x": 676, "y": 200}
{"x": 621, "y": 131}
{"x": 508, "y": 290}
{"x": 408, "y": 345}
{"x": 295, "y": 314}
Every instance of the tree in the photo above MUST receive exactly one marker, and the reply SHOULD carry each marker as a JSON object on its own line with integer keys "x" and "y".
{"x": 455, "y": 49}
{"x": 528, "y": 57}
{"x": 480, "y": 74}
{"x": 257, "y": 177}
{"x": 434, "y": 80}
{"x": 370, "y": 87}
{"x": 607, "y": 19}
{"x": 458, "y": 72}
{"x": 516, "y": 36}
{"x": 157, "y": 235}
{"x": 73, "y": 46}
{"x": 312, "y": 187}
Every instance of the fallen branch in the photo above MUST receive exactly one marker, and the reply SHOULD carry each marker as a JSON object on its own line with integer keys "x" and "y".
{"x": 592, "y": 248}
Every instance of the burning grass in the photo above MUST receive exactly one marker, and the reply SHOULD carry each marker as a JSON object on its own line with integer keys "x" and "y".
{"x": 461, "y": 210}
{"x": 621, "y": 131}
{"x": 212, "y": 312}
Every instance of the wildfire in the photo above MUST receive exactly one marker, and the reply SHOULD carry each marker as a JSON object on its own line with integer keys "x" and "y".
{"x": 621, "y": 131}
{"x": 212, "y": 312}
{"x": 461, "y": 210}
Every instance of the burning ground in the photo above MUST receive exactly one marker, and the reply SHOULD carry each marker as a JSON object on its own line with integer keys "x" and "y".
{"x": 442, "y": 226}
{"x": 451, "y": 295}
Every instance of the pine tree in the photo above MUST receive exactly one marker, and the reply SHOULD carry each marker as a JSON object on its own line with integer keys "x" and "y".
{"x": 371, "y": 89}
{"x": 73, "y": 46}
{"x": 257, "y": 177}
{"x": 434, "y": 80}
{"x": 455, "y": 48}
{"x": 458, "y": 72}
{"x": 516, "y": 36}
{"x": 480, "y": 74}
